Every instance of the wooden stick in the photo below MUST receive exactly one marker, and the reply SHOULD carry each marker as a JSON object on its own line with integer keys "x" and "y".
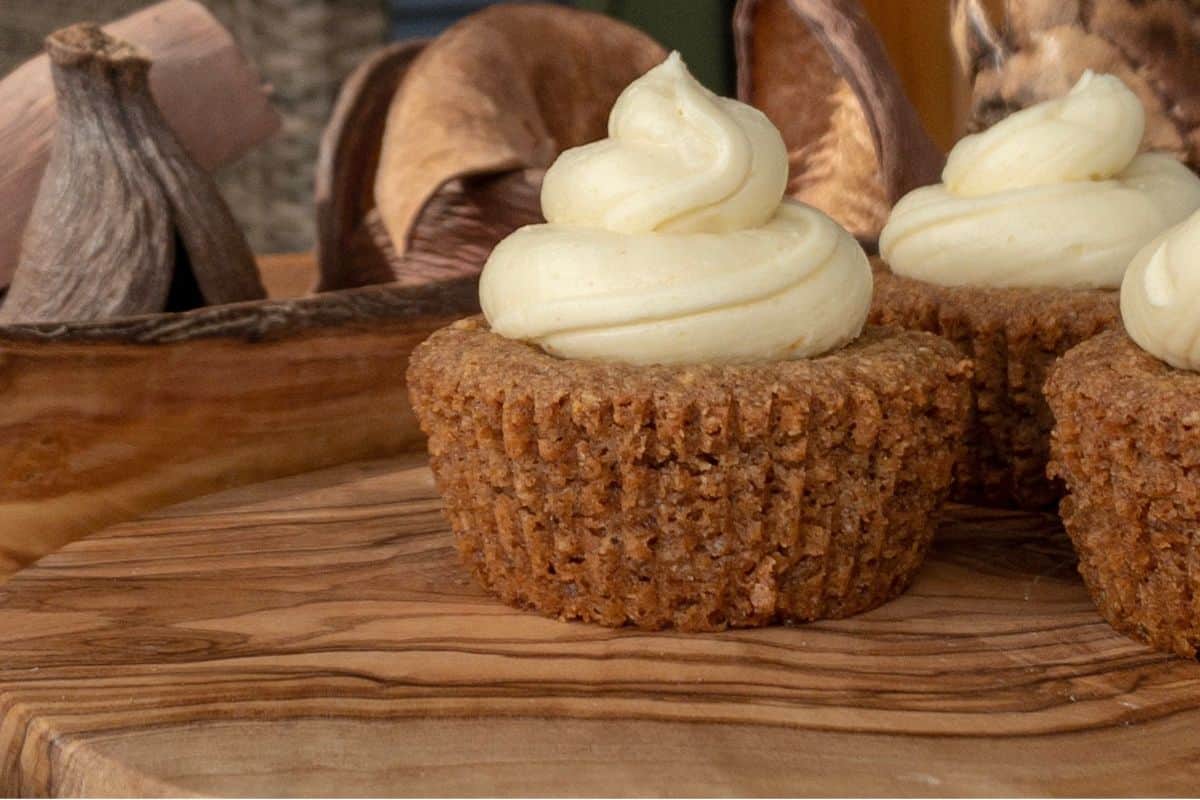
{"x": 213, "y": 98}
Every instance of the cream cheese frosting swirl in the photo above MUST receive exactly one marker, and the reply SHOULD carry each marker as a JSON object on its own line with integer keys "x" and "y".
{"x": 1054, "y": 195}
{"x": 669, "y": 243}
{"x": 1160, "y": 296}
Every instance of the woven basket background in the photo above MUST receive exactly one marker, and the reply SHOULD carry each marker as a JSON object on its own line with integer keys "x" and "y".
{"x": 304, "y": 49}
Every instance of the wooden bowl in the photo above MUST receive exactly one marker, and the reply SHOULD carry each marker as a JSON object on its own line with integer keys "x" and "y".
{"x": 101, "y": 421}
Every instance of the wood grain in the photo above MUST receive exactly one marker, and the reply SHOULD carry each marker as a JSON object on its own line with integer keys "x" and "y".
{"x": 315, "y": 635}
{"x": 199, "y": 75}
{"x": 101, "y": 421}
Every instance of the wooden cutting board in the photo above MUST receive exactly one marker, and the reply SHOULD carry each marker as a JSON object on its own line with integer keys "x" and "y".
{"x": 315, "y": 635}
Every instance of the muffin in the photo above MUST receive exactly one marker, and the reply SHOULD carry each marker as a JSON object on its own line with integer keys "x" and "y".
{"x": 1127, "y": 443}
{"x": 1016, "y": 257}
{"x": 670, "y": 415}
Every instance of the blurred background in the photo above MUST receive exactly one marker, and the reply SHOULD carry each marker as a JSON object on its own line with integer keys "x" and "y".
{"x": 305, "y": 48}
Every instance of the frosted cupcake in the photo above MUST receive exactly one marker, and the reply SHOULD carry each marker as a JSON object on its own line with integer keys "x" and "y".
{"x": 1127, "y": 443}
{"x": 671, "y": 415}
{"x": 1017, "y": 256}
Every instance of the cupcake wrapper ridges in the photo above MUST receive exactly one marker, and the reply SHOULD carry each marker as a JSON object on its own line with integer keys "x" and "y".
{"x": 1127, "y": 443}
{"x": 694, "y": 497}
{"x": 1012, "y": 336}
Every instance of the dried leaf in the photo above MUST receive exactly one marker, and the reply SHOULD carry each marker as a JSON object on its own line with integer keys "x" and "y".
{"x": 347, "y": 162}
{"x": 505, "y": 90}
{"x": 454, "y": 234}
{"x": 818, "y": 69}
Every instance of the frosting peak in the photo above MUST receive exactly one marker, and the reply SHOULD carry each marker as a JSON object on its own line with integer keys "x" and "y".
{"x": 677, "y": 159}
{"x": 1160, "y": 296}
{"x": 668, "y": 243}
{"x": 1092, "y": 133}
{"x": 1054, "y": 195}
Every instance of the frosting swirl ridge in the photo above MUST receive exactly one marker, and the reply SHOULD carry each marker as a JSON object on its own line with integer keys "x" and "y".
{"x": 677, "y": 159}
{"x": 1160, "y": 296}
{"x": 1054, "y": 195}
{"x": 669, "y": 243}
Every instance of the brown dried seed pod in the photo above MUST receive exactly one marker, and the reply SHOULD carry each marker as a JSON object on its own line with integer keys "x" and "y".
{"x": 1152, "y": 45}
{"x": 503, "y": 92}
{"x": 818, "y": 69}
{"x": 125, "y": 222}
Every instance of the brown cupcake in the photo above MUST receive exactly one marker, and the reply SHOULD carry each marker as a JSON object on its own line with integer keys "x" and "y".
{"x": 1127, "y": 443}
{"x": 1013, "y": 336}
{"x": 698, "y": 497}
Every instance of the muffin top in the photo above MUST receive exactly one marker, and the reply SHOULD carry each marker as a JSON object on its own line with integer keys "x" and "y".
{"x": 1054, "y": 195}
{"x": 669, "y": 242}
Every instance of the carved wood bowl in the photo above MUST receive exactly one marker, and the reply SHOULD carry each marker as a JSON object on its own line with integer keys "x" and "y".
{"x": 99, "y": 421}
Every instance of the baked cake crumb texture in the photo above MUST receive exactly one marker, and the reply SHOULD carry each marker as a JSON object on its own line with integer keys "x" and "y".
{"x": 1012, "y": 337}
{"x": 1127, "y": 443}
{"x": 695, "y": 497}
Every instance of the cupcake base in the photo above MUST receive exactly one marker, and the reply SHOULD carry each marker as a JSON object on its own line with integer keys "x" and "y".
{"x": 696, "y": 497}
{"x": 1127, "y": 443}
{"x": 1013, "y": 336}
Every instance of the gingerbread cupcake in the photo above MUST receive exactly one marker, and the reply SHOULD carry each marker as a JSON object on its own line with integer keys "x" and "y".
{"x": 670, "y": 414}
{"x": 1127, "y": 443}
{"x": 1017, "y": 256}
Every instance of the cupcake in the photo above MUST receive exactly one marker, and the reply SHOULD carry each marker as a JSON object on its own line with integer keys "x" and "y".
{"x": 1127, "y": 443}
{"x": 670, "y": 414}
{"x": 1017, "y": 256}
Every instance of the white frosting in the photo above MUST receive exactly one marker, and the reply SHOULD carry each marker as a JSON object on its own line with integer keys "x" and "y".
{"x": 1052, "y": 196}
{"x": 668, "y": 243}
{"x": 1160, "y": 296}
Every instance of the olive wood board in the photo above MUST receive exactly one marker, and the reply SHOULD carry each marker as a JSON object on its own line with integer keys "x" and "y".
{"x": 315, "y": 635}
